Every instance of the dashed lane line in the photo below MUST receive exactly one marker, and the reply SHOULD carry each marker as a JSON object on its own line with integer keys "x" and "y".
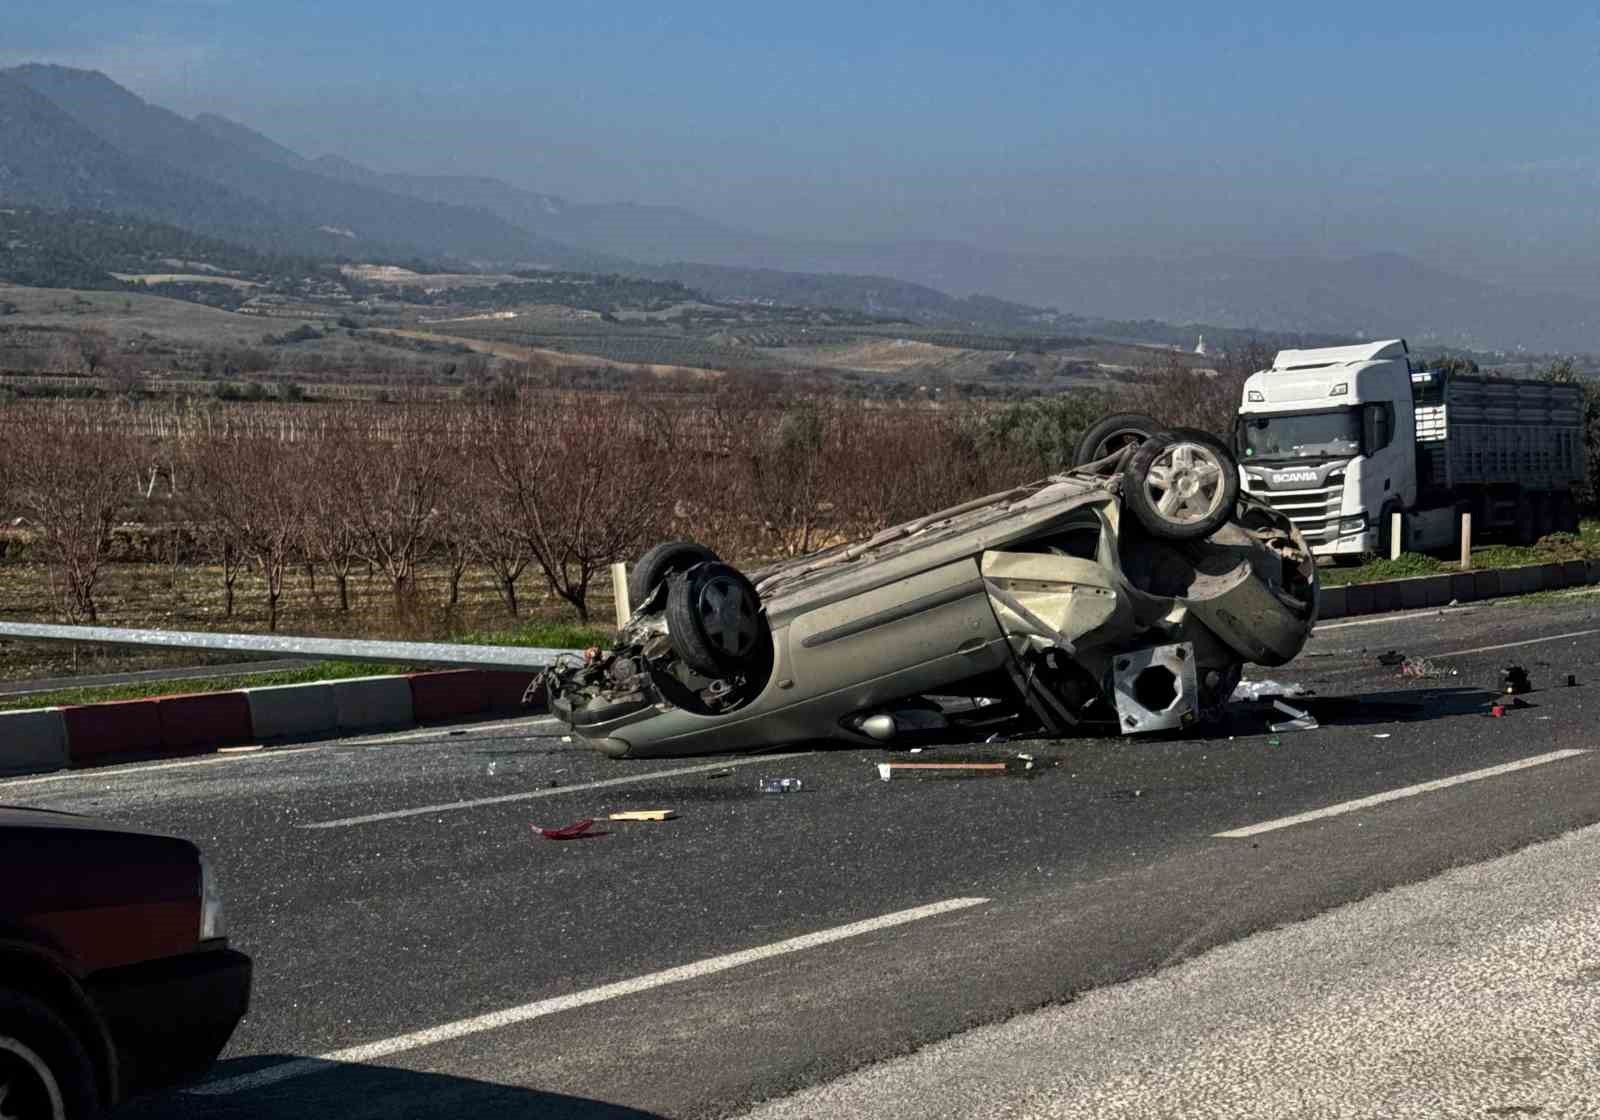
{"x": 1395, "y": 795}
{"x": 557, "y": 791}
{"x": 375, "y": 1051}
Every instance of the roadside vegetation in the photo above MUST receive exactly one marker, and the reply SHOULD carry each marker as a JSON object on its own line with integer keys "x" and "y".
{"x": 1583, "y": 545}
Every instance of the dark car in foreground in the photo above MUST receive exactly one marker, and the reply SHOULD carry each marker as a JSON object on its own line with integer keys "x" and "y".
{"x": 115, "y": 978}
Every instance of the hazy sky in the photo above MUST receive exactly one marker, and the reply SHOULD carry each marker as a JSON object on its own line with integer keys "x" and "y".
{"x": 1464, "y": 132}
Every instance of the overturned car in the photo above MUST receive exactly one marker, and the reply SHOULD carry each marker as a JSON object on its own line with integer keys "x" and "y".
{"x": 1126, "y": 593}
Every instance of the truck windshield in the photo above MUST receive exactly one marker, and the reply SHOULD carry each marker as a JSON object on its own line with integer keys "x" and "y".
{"x": 1308, "y": 435}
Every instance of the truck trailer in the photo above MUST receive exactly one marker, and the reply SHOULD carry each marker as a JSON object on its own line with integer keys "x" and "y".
{"x": 1341, "y": 438}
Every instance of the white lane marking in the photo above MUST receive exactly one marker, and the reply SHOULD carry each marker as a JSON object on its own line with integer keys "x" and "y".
{"x": 1395, "y": 795}
{"x": 102, "y": 772}
{"x": 1409, "y": 616}
{"x": 1525, "y": 642}
{"x": 556, "y": 791}
{"x": 494, "y": 1020}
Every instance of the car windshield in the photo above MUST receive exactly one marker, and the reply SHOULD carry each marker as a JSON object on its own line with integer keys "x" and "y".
{"x": 1307, "y": 435}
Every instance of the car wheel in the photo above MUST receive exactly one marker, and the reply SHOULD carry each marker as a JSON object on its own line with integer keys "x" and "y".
{"x": 662, "y": 561}
{"x": 1182, "y": 484}
{"x": 45, "y": 1072}
{"x": 1112, "y": 434}
{"x": 714, "y": 620}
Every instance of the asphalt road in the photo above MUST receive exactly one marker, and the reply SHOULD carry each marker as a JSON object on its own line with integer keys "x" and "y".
{"x": 412, "y": 930}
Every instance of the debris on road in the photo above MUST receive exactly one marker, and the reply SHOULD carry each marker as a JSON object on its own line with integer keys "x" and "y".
{"x": 1391, "y": 659}
{"x": 1423, "y": 668}
{"x": 1514, "y": 680}
{"x": 644, "y": 815}
{"x": 1022, "y": 764}
{"x": 577, "y": 830}
{"x": 1265, "y": 690}
{"x": 1382, "y": 735}
{"x": 1497, "y": 710}
{"x": 1126, "y": 794}
{"x": 1297, "y": 721}
{"x": 778, "y": 785}
{"x": 1572, "y": 680}
{"x": 715, "y": 774}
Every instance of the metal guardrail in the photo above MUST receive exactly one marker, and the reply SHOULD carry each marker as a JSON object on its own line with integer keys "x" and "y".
{"x": 317, "y": 649}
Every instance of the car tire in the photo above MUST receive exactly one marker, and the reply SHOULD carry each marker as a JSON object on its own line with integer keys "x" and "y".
{"x": 1181, "y": 484}
{"x": 1113, "y": 433}
{"x": 45, "y": 1069}
{"x": 662, "y": 561}
{"x": 714, "y": 620}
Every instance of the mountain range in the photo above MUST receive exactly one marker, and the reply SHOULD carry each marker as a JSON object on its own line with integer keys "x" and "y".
{"x": 76, "y": 139}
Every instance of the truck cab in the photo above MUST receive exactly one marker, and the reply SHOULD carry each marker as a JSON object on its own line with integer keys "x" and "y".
{"x": 1328, "y": 437}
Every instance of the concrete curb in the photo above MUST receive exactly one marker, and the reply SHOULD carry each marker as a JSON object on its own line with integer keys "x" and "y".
{"x": 1420, "y": 592}
{"x": 32, "y": 741}
{"x": 43, "y": 739}
{"x": 291, "y": 711}
{"x": 372, "y": 703}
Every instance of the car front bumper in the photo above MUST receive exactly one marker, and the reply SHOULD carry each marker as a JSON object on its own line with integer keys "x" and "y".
{"x": 170, "y": 1018}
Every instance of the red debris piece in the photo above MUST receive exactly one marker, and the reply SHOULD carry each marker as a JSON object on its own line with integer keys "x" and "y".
{"x": 571, "y": 832}
{"x": 1497, "y": 711}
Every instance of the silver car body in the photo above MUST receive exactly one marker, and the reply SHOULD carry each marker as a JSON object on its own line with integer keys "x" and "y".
{"x": 1047, "y": 605}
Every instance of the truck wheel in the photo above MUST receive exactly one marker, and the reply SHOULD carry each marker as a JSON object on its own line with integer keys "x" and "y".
{"x": 1182, "y": 484}
{"x": 714, "y": 620}
{"x": 660, "y": 562}
{"x": 1112, "y": 434}
{"x": 1567, "y": 517}
{"x": 45, "y": 1072}
{"x": 1527, "y": 520}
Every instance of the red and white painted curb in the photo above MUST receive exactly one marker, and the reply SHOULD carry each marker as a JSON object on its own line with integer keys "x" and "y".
{"x": 43, "y": 739}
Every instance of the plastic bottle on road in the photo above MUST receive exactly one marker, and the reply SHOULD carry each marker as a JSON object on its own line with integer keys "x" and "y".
{"x": 778, "y": 785}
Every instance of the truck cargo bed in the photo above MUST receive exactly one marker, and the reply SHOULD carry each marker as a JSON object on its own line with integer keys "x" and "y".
{"x": 1483, "y": 431}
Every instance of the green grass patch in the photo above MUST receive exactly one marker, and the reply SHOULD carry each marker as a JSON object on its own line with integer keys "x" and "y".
{"x": 1583, "y": 545}
{"x": 544, "y": 635}
{"x": 143, "y": 690}
{"x": 1408, "y": 564}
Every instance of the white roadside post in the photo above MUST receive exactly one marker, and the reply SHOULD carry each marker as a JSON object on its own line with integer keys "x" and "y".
{"x": 619, "y": 591}
{"x": 1466, "y": 542}
{"x": 1394, "y": 535}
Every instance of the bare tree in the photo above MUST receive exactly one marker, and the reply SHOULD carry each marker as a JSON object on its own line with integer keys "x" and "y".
{"x": 253, "y": 497}
{"x": 332, "y": 529}
{"x": 70, "y": 477}
{"x": 397, "y": 493}
{"x": 587, "y": 481}
{"x": 492, "y": 518}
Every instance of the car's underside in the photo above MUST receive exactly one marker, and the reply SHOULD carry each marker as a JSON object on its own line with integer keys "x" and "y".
{"x": 1064, "y": 606}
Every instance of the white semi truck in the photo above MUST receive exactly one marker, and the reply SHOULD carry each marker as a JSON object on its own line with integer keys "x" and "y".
{"x": 1341, "y": 438}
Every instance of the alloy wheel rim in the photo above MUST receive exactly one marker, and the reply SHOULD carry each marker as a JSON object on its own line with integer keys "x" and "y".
{"x": 1184, "y": 482}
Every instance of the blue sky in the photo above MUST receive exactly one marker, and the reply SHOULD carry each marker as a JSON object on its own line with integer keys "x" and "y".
{"x": 1146, "y": 126}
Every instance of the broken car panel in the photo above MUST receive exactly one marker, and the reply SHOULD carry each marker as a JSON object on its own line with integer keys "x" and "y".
{"x": 1128, "y": 591}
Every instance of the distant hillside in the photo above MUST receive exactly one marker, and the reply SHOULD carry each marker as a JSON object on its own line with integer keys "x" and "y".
{"x": 86, "y": 249}
{"x": 74, "y": 139}
{"x": 872, "y": 295}
{"x": 258, "y": 193}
